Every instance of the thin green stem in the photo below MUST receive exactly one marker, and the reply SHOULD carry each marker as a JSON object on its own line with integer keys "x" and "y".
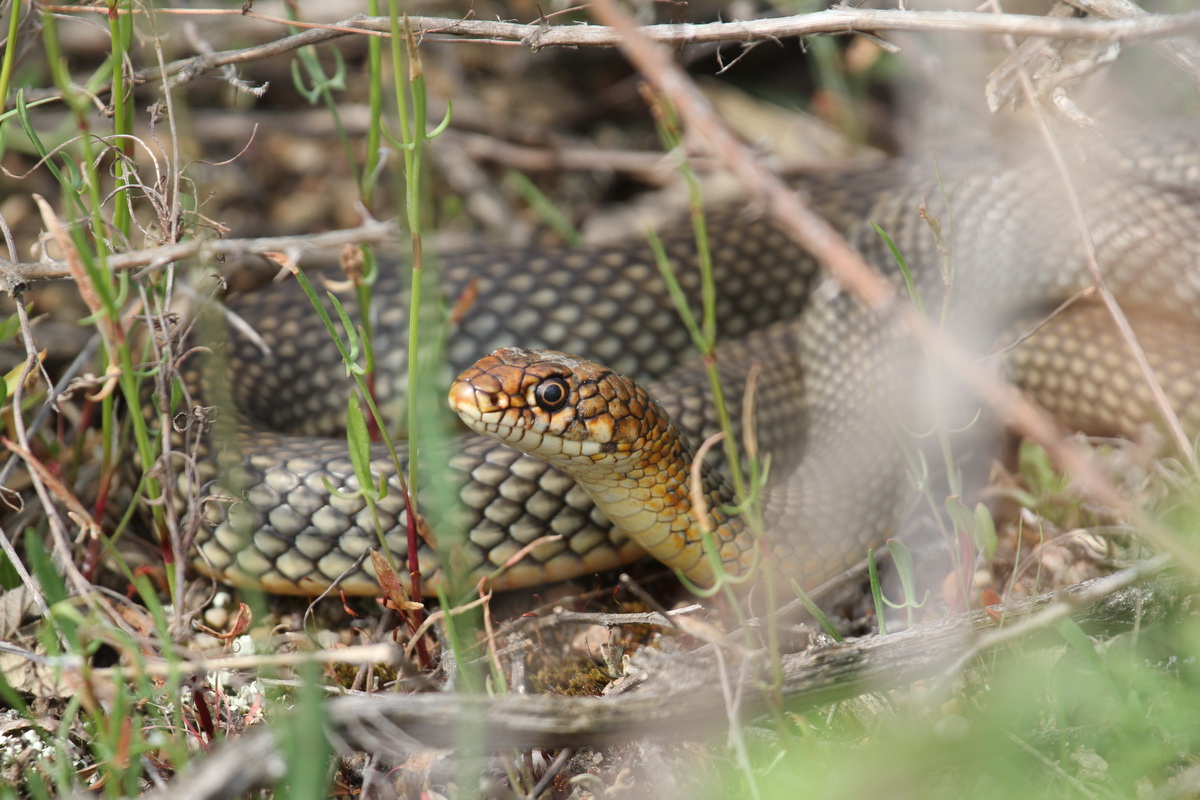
{"x": 10, "y": 53}
{"x": 411, "y": 163}
{"x": 706, "y": 333}
{"x": 120, "y": 28}
{"x": 369, "y": 177}
{"x": 413, "y": 137}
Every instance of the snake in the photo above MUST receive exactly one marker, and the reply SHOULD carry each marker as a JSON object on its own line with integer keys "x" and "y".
{"x": 281, "y": 510}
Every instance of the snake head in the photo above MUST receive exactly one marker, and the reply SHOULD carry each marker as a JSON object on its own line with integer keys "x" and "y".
{"x": 554, "y": 405}
{"x": 606, "y": 432}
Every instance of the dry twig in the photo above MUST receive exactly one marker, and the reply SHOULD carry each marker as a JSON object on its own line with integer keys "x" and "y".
{"x": 16, "y": 274}
{"x": 537, "y": 35}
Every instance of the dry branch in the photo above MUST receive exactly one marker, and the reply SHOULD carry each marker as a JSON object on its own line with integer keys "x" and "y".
{"x": 836, "y": 21}
{"x": 678, "y": 701}
{"x": 14, "y": 274}
{"x": 840, "y": 20}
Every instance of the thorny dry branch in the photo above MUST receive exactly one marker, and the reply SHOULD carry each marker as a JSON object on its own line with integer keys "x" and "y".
{"x": 841, "y": 20}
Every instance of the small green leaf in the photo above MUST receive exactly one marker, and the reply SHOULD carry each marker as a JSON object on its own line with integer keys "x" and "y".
{"x": 960, "y": 515}
{"x": 311, "y": 293}
{"x": 36, "y": 141}
{"x": 311, "y": 95}
{"x": 817, "y": 613}
{"x": 984, "y": 531}
{"x": 368, "y": 365}
{"x": 903, "y": 560}
{"x": 9, "y": 577}
{"x": 444, "y": 124}
{"x": 338, "y": 81}
{"x": 913, "y": 294}
{"x": 877, "y": 592}
{"x": 397, "y": 143}
{"x": 351, "y": 357}
{"x": 10, "y": 326}
{"x": 1035, "y": 465}
{"x": 977, "y": 523}
{"x": 42, "y": 566}
{"x": 360, "y": 444}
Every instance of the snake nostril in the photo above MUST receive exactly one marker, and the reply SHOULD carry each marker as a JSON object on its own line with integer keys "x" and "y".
{"x": 464, "y": 399}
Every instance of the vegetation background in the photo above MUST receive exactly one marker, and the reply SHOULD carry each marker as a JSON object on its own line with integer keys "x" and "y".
{"x": 109, "y": 687}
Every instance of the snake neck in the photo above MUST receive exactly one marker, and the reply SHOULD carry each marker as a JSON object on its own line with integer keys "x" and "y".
{"x": 651, "y": 499}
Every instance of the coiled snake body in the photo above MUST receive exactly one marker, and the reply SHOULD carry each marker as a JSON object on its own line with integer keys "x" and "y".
{"x": 830, "y": 365}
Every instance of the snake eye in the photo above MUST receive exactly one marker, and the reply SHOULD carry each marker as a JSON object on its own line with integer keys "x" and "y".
{"x": 551, "y": 394}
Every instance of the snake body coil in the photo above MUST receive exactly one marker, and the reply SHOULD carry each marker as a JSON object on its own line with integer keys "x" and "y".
{"x": 830, "y": 364}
